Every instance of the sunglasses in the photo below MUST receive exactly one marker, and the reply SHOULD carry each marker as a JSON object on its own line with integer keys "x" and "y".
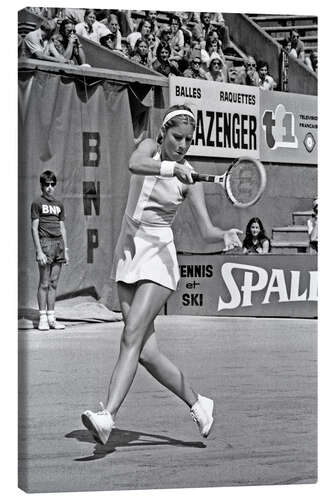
{"x": 216, "y": 63}
{"x": 47, "y": 184}
{"x": 251, "y": 65}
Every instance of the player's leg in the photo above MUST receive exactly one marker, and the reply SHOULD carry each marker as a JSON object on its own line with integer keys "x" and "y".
{"x": 171, "y": 377}
{"x": 147, "y": 301}
{"x": 51, "y": 297}
{"x": 163, "y": 370}
{"x": 156, "y": 363}
{"x": 42, "y": 294}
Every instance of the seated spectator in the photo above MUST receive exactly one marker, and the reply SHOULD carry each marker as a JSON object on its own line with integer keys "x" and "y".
{"x": 125, "y": 48}
{"x": 250, "y": 76}
{"x": 312, "y": 225}
{"x": 68, "y": 44}
{"x": 143, "y": 31}
{"x": 184, "y": 19}
{"x": 162, "y": 63}
{"x": 266, "y": 82}
{"x": 111, "y": 22}
{"x": 297, "y": 45}
{"x": 177, "y": 39}
{"x": 255, "y": 240}
{"x": 201, "y": 29}
{"x": 312, "y": 60}
{"x": 124, "y": 20}
{"x": 153, "y": 43}
{"x": 213, "y": 45}
{"x": 236, "y": 74}
{"x": 217, "y": 71}
{"x": 39, "y": 44}
{"x": 141, "y": 53}
{"x": 151, "y": 15}
{"x": 90, "y": 28}
{"x": 195, "y": 70}
{"x": 165, "y": 35}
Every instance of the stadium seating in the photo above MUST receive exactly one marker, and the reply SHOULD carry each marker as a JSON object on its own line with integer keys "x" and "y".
{"x": 294, "y": 238}
{"x": 279, "y": 27}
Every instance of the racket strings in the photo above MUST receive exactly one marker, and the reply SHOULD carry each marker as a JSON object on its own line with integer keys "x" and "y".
{"x": 244, "y": 182}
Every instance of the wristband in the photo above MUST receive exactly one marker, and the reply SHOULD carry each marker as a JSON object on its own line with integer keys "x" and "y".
{"x": 167, "y": 168}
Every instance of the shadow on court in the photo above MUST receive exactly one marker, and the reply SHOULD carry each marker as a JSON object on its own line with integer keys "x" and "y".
{"x": 121, "y": 438}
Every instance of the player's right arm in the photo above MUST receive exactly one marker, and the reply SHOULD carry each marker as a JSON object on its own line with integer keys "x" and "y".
{"x": 40, "y": 255}
{"x": 143, "y": 163}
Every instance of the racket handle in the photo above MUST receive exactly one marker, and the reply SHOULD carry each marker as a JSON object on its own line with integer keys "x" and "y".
{"x": 203, "y": 178}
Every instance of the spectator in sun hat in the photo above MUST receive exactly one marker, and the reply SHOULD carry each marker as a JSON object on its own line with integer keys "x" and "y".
{"x": 217, "y": 71}
{"x": 195, "y": 70}
{"x": 213, "y": 44}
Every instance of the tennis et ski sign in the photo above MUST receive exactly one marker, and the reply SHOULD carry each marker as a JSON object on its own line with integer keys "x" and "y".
{"x": 246, "y": 285}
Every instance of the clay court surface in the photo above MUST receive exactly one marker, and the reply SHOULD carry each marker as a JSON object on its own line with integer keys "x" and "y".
{"x": 260, "y": 372}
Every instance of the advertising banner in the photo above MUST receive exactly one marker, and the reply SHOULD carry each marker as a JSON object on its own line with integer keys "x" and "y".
{"x": 288, "y": 128}
{"x": 238, "y": 120}
{"x": 246, "y": 285}
{"x": 227, "y": 116}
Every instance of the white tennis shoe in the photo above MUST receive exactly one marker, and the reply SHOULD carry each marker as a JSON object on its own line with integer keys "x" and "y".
{"x": 54, "y": 325}
{"x": 202, "y": 414}
{"x": 99, "y": 424}
{"x": 43, "y": 323}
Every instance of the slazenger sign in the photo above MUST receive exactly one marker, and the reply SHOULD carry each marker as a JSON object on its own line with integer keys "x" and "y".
{"x": 246, "y": 285}
{"x": 227, "y": 116}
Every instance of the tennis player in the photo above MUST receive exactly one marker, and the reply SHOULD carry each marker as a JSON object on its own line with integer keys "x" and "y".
{"x": 145, "y": 266}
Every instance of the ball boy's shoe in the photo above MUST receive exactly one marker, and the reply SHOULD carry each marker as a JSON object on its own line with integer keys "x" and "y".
{"x": 43, "y": 323}
{"x": 202, "y": 414}
{"x": 54, "y": 325}
{"x": 99, "y": 424}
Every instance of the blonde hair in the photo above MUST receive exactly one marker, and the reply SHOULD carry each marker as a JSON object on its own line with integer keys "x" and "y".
{"x": 187, "y": 118}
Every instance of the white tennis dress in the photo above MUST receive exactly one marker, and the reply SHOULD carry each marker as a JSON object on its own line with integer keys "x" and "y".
{"x": 145, "y": 248}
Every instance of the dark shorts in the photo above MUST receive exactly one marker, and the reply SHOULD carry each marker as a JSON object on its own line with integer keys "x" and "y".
{"x": 54, "y": 249}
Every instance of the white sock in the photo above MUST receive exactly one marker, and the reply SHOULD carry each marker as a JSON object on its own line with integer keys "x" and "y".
{"x": 42, "y": 313}
{"x": 50, "y": 315}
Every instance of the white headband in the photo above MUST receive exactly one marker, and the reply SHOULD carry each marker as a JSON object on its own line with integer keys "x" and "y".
{"x": 177, "y": 112}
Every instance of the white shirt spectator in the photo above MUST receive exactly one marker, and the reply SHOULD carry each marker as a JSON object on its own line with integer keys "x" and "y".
{"x": 35, "y": 43}
{"x": 98, "y": 30}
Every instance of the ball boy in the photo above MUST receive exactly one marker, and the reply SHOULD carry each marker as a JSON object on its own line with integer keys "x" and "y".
{"x": 49, "y": 236}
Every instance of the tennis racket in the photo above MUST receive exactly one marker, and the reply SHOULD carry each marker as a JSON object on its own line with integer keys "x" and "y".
{"x": 244, "y": 182}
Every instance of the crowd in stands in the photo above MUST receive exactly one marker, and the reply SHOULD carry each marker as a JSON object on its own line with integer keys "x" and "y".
{"x": 193, "y": 45}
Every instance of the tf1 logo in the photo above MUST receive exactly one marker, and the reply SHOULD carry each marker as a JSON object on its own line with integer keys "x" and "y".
{"x": 279, "y": 127}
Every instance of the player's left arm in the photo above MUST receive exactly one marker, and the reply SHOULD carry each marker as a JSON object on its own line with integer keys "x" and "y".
{"x": 209, "y": 232}
{"x": 265, "y": 246}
